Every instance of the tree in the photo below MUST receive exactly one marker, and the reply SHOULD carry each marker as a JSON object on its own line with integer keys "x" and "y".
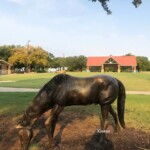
{"x": 136, "y": 3}
{"x": 58, "y": 62}
{"x": 143, "y": 63}
{"x": 70, "y": 63}
{"x": 18, "y": 57}
{"x": 81, "y": 62}
{"x": 34, "y": 57}
{"x": 76, "y": 63}
{"x": 50, "y": 59}
{"x": 6, "y": 51}
{"x": 38, "y": 58}
{"x": 129, "y": 54}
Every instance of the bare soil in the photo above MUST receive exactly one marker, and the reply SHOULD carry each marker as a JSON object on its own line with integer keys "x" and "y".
{"x": 74, "y": 131}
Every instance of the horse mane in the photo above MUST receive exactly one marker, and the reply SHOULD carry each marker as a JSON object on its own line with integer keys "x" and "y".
{"x": 51, "y": 84}
{"x": 54, "y": 81}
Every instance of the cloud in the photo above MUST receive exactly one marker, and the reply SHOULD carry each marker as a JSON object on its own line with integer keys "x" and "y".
{"x": 75, "y": 5}
{"x": 19, "y": 2}
{"x": 45, "y": 4}
{"x": 37, "y": 4}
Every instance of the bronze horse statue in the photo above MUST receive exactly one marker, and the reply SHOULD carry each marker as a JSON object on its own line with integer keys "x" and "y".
{"x": 65, "y": 90}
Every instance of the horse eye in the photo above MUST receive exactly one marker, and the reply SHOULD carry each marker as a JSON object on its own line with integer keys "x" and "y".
{"x": 23, "y": 122}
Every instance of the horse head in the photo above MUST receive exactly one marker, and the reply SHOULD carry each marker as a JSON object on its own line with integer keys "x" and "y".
{"x": 25, "y": 131}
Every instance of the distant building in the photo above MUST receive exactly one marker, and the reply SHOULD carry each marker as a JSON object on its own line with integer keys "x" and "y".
{"x": 108, "y": 63}
{"x": 5, "y": 67}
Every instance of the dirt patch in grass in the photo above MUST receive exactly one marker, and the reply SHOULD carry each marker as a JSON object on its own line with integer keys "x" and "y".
{"x": 74, "y": 131}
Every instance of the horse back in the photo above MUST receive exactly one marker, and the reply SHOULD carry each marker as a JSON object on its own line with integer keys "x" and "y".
{"x": 84, "y": 91}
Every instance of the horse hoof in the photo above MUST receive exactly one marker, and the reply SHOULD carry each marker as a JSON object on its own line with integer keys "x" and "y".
{"x": 117, "y": 129}
{"x": 54, "y": 147}
{"x": 57, "y": 148}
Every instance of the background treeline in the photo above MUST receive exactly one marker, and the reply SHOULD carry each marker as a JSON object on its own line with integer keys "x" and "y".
{"x": 37, "y": 59}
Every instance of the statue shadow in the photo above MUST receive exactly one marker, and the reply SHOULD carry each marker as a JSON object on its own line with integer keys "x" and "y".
{"x": 41, "y": 133}
{"x": 62, "y": 121}
{"x": 58, "y": 137}
{"x": 96, "y": 144}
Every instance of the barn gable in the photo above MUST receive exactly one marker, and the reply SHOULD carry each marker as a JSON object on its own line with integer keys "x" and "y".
{"x": 111, "y": 61}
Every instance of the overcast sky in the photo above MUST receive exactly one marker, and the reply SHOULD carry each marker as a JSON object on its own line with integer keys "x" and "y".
{"x": 77, "y": 27}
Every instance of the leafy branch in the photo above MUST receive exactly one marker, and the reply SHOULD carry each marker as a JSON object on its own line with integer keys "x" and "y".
{"x": 136, "y": 3}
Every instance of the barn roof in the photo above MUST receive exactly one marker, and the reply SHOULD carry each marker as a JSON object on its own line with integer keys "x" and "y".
{"x": 121, "y": 60}
{"x": 3, "y": 61}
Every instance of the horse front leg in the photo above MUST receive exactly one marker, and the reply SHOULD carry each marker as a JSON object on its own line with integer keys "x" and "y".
{"x": 50, "y": 123}
{"x": 53, "y": 126}
{"x": 25, "y": 136}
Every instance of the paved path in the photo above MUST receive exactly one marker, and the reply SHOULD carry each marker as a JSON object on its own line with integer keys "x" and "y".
{"x": 8, "y": 89}
{"x": 138, "y": 92}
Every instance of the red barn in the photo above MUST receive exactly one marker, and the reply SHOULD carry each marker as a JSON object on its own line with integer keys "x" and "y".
{"x": 104, "y": 63}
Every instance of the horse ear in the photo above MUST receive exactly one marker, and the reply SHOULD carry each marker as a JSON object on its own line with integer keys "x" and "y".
{"x": 19, "y": 126}
{"x": 17, "y": 119}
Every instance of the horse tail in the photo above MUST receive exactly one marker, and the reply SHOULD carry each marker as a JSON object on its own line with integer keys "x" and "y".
{"x": 121, "y": 103}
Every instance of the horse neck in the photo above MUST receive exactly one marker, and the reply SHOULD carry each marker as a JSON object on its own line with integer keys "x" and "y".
{"x": 35, "y": 110}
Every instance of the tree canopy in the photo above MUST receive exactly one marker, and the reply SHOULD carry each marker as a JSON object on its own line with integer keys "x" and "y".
{"x": 5, "y": 51}
{"x": 34, "y": 57}
{"x": 143, "y": 63}
{"x": 136, "y": 3}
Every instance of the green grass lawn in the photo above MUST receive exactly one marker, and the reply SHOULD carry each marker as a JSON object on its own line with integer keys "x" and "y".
{"x": 14, "y": 103}
{"x": 132, "y": 81}
{"x": 136, "y": 113}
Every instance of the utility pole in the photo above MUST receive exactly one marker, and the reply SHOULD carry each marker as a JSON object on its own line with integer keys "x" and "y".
{"x": 28, "y": 47}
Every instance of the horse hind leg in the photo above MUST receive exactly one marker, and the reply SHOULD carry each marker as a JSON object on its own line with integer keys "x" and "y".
{"x": 50, "y": 123}
{"x": 104, "y": 121}
{"x": 114, "y": 114}
{"x": 105, "y": 113}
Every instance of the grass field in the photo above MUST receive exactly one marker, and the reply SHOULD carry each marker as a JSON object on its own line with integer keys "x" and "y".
{"x": 136, "y": 113}
{"x": 132, "y": 81}
{"x": 79, "y": 126}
